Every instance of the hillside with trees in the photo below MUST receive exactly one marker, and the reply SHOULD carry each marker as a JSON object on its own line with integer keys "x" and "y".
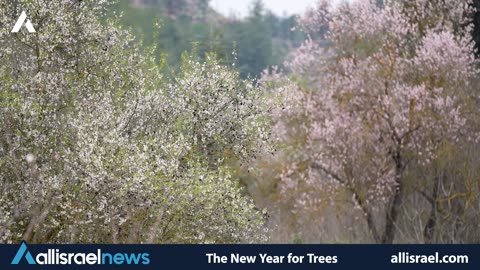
{"x": 260, "y": 40}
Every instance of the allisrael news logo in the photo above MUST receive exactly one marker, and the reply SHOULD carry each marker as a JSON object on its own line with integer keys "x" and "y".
{"x": 54, "y": 256}
{"x": 21, "y": 21}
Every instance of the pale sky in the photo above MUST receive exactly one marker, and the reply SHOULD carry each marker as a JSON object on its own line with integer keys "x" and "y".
{"x": 279, "y": 7}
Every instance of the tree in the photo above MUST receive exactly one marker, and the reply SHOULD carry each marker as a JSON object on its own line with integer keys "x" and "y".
{"x": 254, "y": 39}
{"x": 96, "y": 145}
{"x": 379, "y": 104}
{"x": 476, "y": 22}
{"x": 203, "y": 6}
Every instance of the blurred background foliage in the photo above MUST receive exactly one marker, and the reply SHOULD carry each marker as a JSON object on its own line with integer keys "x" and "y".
{"x": 259, "y": 40}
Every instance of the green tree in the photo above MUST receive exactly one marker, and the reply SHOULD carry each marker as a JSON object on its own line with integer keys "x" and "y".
{"x": 254, "y": 39}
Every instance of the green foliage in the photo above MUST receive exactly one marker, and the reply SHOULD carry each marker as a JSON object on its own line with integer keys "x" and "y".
{"x": 260, "y": 40}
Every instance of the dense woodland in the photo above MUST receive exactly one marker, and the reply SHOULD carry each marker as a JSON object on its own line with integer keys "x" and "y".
{"x": 260, "y": 40}
{"x": 163, "y": 121}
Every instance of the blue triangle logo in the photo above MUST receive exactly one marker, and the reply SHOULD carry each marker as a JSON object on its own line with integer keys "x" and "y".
{"x": 23, "y": 251}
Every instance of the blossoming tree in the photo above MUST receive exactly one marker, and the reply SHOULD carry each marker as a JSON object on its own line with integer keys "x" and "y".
{"x": 389, "y": 90}
{"x": 96, "y": 145}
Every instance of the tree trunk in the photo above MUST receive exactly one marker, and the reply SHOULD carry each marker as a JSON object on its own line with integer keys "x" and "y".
{"x": 394, "y": 209}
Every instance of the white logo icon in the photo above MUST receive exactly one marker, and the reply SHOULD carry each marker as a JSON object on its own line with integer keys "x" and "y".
{"x": 20, "y": 22}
